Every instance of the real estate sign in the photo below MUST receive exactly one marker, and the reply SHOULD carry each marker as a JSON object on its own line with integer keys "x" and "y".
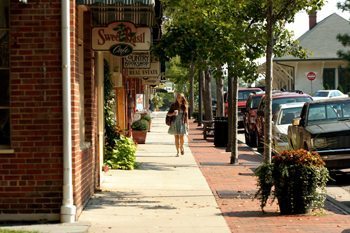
{"x": 153, "y": 71}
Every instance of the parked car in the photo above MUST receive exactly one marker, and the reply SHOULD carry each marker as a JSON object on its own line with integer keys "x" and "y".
{"x": 277, "y": 99}
{"x": 324, "y": 127}
{"x": 328, "y": 94}
{"x": 243, "y": 94}
{"x": 249, "y": 119}
{"x": 281, "y": 120}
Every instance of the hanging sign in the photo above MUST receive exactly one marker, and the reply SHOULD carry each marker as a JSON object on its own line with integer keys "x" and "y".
{"x": 153, "y": 71}
{"x": 150, "y": 80}
{"x": 103, "y": 38}
{"x": 137, "y": 60}
{"x": 120, "y": 50}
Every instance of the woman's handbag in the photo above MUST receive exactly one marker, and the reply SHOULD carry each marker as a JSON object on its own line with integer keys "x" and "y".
{"x": 168, "y": 120}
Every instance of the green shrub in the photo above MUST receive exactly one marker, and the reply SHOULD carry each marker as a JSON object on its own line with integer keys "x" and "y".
{"x": 123, "y": 156}
{"x": 146, "y": 117}
{"x": 140, "y": 125}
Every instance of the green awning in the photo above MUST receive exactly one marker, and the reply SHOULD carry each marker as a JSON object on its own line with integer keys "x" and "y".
{"x": 109, "y": 2}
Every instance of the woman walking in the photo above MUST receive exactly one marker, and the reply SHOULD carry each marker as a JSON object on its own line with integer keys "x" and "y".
{"x": 179, "y": 124}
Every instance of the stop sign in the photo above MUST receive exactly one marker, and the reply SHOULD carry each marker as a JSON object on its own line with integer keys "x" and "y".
{"x": 311, "y": 76}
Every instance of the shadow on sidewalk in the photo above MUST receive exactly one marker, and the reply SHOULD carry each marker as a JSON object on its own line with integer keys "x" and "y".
{"x": 160, "y": 166}
{"x": 252, "y": 214}
{"x": 107, "y": 199}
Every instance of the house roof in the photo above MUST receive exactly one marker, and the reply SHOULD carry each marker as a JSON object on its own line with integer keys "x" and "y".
{"x": 322, "y": 40}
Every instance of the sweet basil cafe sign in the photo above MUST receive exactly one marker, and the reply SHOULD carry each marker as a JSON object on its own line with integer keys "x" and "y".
{"x": 121, "y": 38}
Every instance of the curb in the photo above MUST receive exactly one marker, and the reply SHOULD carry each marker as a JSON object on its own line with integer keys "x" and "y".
{"x": 340, "y": 206}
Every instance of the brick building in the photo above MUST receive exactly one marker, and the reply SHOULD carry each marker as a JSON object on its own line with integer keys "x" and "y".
{"x": 51, "y": 101}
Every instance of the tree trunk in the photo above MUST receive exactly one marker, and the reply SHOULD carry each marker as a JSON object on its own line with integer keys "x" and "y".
{"x": 268, "y": 84}
{"x": 207, "y": 96}
{"x": 234, "y": 144}
{"x": 219, "y": 94}
{"x": 200, "y": 90}
{"x": 191, "y": 97}
{"x": 229, "y": 109}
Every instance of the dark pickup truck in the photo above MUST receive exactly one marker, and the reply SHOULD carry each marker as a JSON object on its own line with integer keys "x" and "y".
{"x": 324, "y": 126}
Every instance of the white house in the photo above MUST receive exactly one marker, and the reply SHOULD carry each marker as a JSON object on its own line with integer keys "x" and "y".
{"x": 323, "y": 66}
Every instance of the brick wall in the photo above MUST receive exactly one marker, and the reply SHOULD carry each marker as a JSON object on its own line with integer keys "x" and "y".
{"x": 31, "y": 178}
{"x": 85, "y": 160}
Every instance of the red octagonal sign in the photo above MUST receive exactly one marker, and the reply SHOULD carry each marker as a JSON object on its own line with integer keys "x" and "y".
{"x": 311, "y": 76}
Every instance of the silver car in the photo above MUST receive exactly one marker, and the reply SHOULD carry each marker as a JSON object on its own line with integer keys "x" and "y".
{"x": 281, "y": 120}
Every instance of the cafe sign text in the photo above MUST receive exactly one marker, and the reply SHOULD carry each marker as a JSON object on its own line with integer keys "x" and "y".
{"x": 103, "y": 38}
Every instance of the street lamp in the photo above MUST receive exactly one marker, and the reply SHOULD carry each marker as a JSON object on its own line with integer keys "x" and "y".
{"x": 23, "y": 1}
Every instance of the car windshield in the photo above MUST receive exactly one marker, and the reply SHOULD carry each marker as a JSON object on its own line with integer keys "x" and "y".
{"x": 329, "y": 112}
{"x": 243, "y": 95}
{"x": 288, "y": 114}
{"x": 321, "y": 94}
{"x": 289, "y": 99}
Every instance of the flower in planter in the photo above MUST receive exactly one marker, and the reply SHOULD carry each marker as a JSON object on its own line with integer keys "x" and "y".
{"x": 299, "y": 180}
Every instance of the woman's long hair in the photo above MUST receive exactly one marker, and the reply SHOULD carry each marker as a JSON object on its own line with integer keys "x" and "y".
{"x": 184, "y": 103}
{"x": 183, "y": 106}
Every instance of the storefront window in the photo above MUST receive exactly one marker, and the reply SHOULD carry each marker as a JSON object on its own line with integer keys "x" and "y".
{"x": 4, "y": 75}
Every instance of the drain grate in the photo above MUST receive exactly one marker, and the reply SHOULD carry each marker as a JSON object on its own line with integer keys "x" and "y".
{"x": 230, "y": 194}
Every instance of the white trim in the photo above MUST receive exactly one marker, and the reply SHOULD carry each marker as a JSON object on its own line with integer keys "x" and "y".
{"x": 68, "y": 209}
{"x": 7, "y": 151}
{"x": 100, "y": 109}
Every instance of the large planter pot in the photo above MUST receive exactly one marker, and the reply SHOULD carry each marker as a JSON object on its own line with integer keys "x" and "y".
{"x": 295, "y": 188}
{"x": 139, "y": 137}
{"x": 299, "y": 179}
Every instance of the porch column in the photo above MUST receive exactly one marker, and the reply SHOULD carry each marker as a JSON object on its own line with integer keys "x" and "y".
{"x": 100, "y": 106}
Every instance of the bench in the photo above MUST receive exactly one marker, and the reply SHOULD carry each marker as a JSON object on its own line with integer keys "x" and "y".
{"x": 208, "y": 129}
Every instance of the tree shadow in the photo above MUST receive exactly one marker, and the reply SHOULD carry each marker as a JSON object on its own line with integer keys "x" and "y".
{"x": 250, "y": 214}
{"x": 107, "y": 199}
{"x": 161, "y": 166}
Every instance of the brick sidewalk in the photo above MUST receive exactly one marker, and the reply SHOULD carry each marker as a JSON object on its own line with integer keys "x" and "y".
{"x": 234, "y": 188}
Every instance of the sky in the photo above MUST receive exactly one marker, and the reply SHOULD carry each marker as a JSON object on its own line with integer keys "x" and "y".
{"x": 301, "y": 23}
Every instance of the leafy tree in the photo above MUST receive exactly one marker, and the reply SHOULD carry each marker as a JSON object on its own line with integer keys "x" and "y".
{"x": 177, "y": 74}
{"x": 273, "y": 15}
{"x": 344, "y": 38}
{"x": 212, "y": 33}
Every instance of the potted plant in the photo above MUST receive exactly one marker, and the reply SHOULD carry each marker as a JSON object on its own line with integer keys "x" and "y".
{"x": 139, "y": 131}
{"x": 299, "y": 180}
{"x": 122, "y": 156}
{"x": 147, "y": 117}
